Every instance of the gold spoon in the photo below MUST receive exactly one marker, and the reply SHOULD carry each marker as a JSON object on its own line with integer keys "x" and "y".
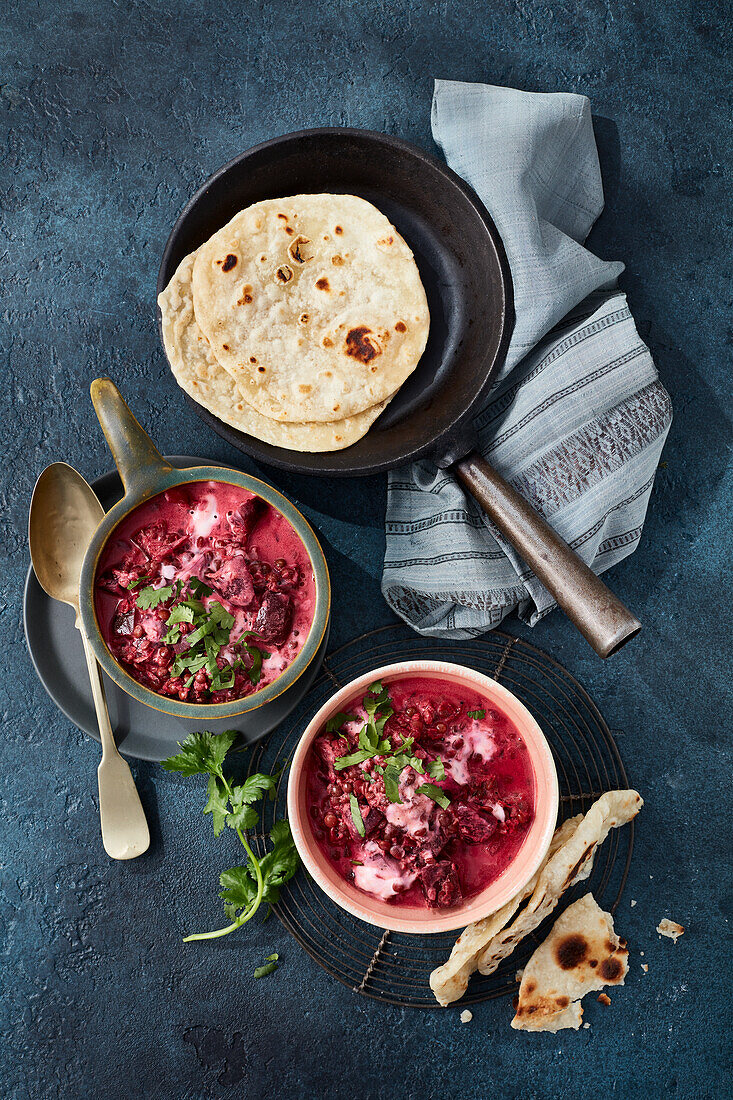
{"x": 64, "y": 515}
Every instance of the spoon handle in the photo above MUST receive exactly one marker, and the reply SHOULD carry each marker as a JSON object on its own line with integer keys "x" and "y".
{"x": 125, "y": 832}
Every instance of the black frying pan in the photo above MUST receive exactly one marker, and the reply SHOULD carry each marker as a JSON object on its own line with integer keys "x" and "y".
{"x": 468, "y": 284}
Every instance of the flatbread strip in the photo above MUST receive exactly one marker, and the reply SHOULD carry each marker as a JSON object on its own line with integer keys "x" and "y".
{"x": 198, "y": 373}
{"x": 571, "y": 864}
{"x": 450, "y": 981}
{"x": 486, "y": 943}
{"x": 581, "y": 953}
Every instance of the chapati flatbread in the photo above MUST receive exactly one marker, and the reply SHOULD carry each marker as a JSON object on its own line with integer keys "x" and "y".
{"x": 581, "y": 953}
{"x": 571, "y": 864}
{"x": 313, "y": 304}
{"x": 484, "y": 944}
{"x": 199, "y": 374}
{"x": 450, "y": 981}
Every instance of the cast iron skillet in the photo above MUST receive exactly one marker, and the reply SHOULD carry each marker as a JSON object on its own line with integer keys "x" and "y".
{"x": 468, "y": 283}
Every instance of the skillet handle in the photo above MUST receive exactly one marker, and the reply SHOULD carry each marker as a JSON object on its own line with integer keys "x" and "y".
{"x": 599, "y": 615}
{"x": 136, "y": 458}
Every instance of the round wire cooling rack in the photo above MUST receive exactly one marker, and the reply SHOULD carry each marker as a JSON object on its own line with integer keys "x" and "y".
{"x": 395, "y": 967}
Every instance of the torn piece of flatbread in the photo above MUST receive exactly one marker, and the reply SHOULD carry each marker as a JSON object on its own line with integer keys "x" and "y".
{"x": 670, "y": 928}
{"x": 573, "y": 863}
{"x": 581, "y": 953}
{"x": 485, "y": 943}
{"x": 449, "y": 981}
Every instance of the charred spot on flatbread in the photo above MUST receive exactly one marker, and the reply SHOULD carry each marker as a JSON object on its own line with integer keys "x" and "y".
{"x": 570, "y": 878}
{"x": 228, "y": 262}
{"x": 322, "y": 284}
{"x": 571, "y": 951}
{"x": 361, "y": 344}
{"x": 297, "y": 250}
{"x": 611, "y": 969}
{"x": 284, "y": 274}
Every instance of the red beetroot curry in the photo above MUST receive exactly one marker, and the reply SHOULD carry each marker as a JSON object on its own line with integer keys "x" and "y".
{"x": 420, "y": 792}
{"x": 205, "y": 593}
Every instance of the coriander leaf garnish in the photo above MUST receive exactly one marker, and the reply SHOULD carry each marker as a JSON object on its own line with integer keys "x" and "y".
{"x": 436, "y": 769}
{"x": 257, "y": 656}
{"x": 266, "y": 968}
{"x": 435, "y": 793}
{"x": 338, "y": 721}
{"x": 181, "y": 613}
{"x": 201, "y": 753}
{"x": 148, "y": 598}
{"x": 218, "y": 803}
{"x": 476, "y": 714}
{"x": 359, "y": 757}
{"x": 243, "y": 889}
{"x": 356, "y": 815}
{"x": 392, "y": 782}
{"x": 135, "y": 582}
{"x": 256, "y": 787}
{"x": 198, "y": 587}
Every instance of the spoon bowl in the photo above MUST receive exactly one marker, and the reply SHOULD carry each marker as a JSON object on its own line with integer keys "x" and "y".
{"x": 64, "y": 515}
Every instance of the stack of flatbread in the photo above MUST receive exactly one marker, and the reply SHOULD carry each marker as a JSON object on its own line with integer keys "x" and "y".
{"x": 298, "y": 321}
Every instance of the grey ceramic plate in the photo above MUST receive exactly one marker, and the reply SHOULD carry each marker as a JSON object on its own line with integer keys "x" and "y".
{"x": 56, "y": 651}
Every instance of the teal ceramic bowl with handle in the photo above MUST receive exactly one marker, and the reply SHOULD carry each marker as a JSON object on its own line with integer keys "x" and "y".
{"x": 146, "y": 474}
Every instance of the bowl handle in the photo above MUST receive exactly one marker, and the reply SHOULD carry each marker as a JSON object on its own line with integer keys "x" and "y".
{"x": 139, "y": 463}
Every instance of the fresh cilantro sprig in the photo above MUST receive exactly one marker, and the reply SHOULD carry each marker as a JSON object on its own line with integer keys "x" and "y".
{"x": 478, "y": 715}
{"x": 233, "y": 805}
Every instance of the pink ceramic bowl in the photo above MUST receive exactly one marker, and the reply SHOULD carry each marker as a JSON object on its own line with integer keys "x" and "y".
{"x": 404, "y": 918}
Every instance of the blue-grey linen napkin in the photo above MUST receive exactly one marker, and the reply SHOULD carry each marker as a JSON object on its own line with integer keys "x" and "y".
{"x": 578, "y": 417}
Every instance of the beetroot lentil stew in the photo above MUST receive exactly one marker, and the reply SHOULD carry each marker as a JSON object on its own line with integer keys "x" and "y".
{"x": 420, "y": 792}
{"x": 205, "y": 593}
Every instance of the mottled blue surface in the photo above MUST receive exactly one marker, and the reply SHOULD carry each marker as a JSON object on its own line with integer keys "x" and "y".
{"x": 112, "y": 115}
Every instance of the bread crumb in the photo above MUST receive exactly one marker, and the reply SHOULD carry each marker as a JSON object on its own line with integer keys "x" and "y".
{"x": 586, "y": 1025}
{"x": 671, "y": 929}
{"x": 633, "y": 903}
{"x": 642, "y": 954}
{"x": 604, "y": 998}
{"x": 466, "y": 1016}
{"x": 645, "y": 967}
{"x": 519, "y": 975}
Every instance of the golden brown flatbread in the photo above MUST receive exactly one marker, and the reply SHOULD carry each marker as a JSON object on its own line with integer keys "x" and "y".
{"x": 200, "y": 375}
{"x": 313, "y": 304}
{"x": 486, "y": 943}
{"x": 581, "y": 953}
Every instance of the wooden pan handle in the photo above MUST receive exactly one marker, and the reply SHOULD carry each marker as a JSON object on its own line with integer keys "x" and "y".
{"x": 599, "y": 615}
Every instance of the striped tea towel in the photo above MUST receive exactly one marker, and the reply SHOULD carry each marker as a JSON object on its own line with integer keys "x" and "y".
{"x": 578, "y": 417}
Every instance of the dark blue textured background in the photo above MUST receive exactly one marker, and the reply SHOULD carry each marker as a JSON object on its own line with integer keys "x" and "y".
{"x": 112, "y": 115}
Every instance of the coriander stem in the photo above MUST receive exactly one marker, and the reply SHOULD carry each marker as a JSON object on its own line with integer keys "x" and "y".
{"x": 254, "y": 862}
